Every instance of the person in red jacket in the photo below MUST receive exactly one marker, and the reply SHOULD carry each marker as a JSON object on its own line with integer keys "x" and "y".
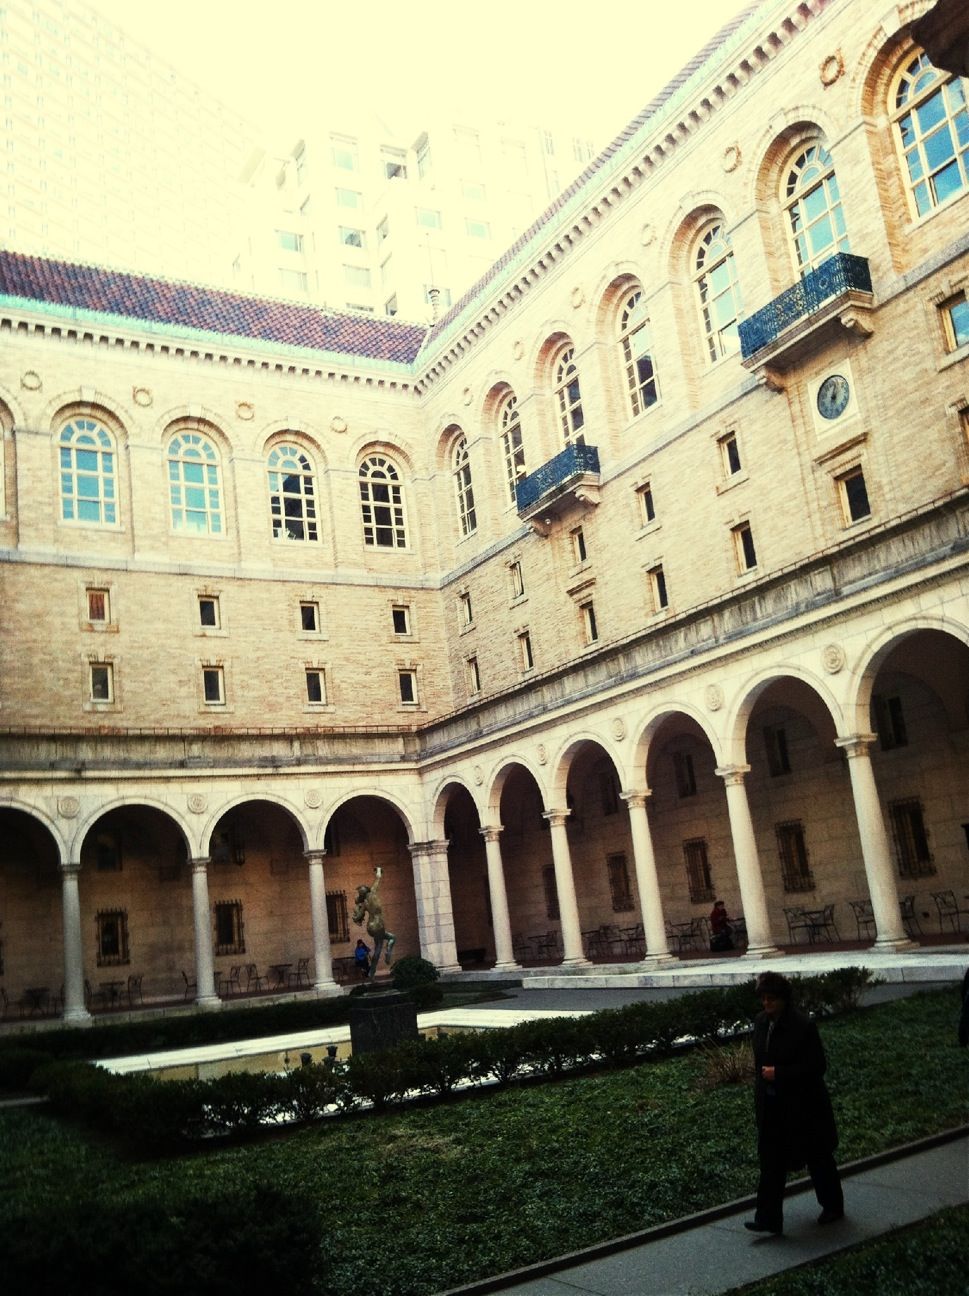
{"x": 795, "y": 1122}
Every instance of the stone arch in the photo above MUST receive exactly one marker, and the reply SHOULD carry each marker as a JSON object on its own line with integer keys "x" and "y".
{"x": 553, "y": 335}
{"x": 12, "y": 413}
{"x": 619, "y": 279}
{"x": 88, "y": 403}
{"x": 396, "y": 450}
{"x": 496, "y": 387}
{"x": 61, "y": 842}
{"x": 85, "y": 825}
{"x": 565, "y": 759}
{"x": 498, "y": 779}
{"x": 243, "y": 799}
{"x": 865, "y": 673}
{"x": 440, "y": 798}
{"x": 738, "y": 715}
{"x": 396, "y": 803}
{"x": 283, "y": 430}
{"x": 193, "y": 418}
{"x": 683, "y": 227}
{"x": 653, "y": 723}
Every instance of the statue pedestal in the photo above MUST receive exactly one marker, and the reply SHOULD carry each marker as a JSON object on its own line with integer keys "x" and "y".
{"x": 379, "y": 1019}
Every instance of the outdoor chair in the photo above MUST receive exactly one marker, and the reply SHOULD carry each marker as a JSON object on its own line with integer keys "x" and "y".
{"x": 910, "y": 919}
{"x": 301, "y": 977}
{"x": 134, "y": 990}
{"x": 949, "y": 910}
{"x": 253, "y": 979}
{"x": 828, "y": 924}
{"x": 233, "y": 982}
{"x": 864, "y": 918}
{"x": 190, "y": 986}
{"x": 797, "y": 921}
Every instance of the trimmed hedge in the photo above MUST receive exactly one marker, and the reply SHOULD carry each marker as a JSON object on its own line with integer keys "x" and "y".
{"x": 166, "y": 1115}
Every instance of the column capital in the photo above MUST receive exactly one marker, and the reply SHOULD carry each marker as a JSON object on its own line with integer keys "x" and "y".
{"x": 200, "y": 863}
{"x": 556, "y": 818}
{"x": 732, "y": 775}
{"x": 314, "y": 856}
{"x": 856, "y": 744}
{"x": 70, "y": 868}
{"x": 636, "y": 797}
{"x": 429, "y": 848}
{"x": 491, "y": 832}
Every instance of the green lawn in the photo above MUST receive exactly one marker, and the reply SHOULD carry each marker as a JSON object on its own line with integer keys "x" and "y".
{"x": 436, "y": 1195}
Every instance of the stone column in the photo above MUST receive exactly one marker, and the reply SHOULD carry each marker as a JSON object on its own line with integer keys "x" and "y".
{"x": 323, "y": 983}
{"x": 205, "y": 995}
{"x": 647, "y": 882}
{"x": 504, "y": 955}
{"x": 749, "y": 876}
{"x": 435, "y": 917}
{"x": 75, "y": 1010}
{"x": 875, "y": 849}
{"x": 573, "y": 955}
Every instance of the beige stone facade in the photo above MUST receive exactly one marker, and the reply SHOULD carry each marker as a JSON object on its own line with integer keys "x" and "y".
{"x": 726, "y": 655}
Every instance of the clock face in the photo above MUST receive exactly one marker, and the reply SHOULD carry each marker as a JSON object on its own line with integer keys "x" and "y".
{"x": 833, "y": 396}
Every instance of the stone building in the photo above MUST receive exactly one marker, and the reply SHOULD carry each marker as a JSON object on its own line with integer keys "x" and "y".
{"x": 638, "y": 579}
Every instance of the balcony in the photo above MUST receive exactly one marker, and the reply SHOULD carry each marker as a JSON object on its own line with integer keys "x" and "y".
{"x": 837, "y": 294}
{"x": 571, "y": 477}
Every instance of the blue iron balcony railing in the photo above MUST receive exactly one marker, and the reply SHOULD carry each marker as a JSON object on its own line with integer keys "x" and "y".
{"x": 574, "y": 461}
{"x": 840, "y": 274}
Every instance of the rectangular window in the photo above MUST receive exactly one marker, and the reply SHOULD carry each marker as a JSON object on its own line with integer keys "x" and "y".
{"x": 359, "y": 276}
{"x": 590, "y": 627}
{"x": 337, "y": 917}
{"x": 344, "y": 154}
{"x": 309, "y": 617}
{"x": 315, "y": 685}
{"x": 477, "y": 228}
{"x": 102, "y": 682}
{"x": 213, "y": 685}
{"x": 854, "y": 496}
{"x": 111, "y": 937}
{"x": 684, "y": 774}
{"x": 911, "y": 839}
{"x": 775, "y": 744}
{"x": 351, "y": 237}
{"x": 525, "y": 651}
{"x": 383, "y": 229}
{"x": 348, "y": 198}
{"x": 390, "y": 305}
{"x": 658, "y": 590}
{"x": 423, "y": 157}
{"x": 293, "y": 280}
{"x": 393, "y": 164}
{"x": 955, "y": 318}
{"x": 428, "y": 217}
{"x": 746, "y": 554}
{"x": 794, "y": 856}
{"x": 473, "y": 191}
{"x": 385, "y": 272}
{"x": 209, "y": 611}
{"x": 229, "y": 930}
{"x": 647, "y": 508}
{"x": 467, "y": 612}
{"x": 407, "y": 687}
{"x": 551, "y": 893}
{"x": 889, "y": 721}
{"x": 579, "y": 552}
{"x": 517, "y": 580}
{"x": 729, "y": 454}
{"x": 608, "y": 791}
{"x": 698, "y": 870}
{"x": 98, "y": 606}
{"x": 620, "y": 891}
{"x": 474, "y": 675}
{"x": 400, "y": 614}
{"x": 289, "y": 240}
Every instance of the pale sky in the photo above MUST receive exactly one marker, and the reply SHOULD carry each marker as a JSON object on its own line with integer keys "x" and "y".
{"x": 299, "y": 64}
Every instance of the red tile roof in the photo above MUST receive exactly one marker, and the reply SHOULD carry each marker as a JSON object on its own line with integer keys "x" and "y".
{"x": 211, "y": 310}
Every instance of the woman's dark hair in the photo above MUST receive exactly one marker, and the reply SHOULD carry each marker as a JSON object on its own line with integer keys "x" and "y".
{"x": 775, "y": 985}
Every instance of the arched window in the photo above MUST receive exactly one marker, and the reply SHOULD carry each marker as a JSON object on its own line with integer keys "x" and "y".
{"x": 382, "y": 504}
{"x": 512, "y": 448}
{"x": 933, "y": 131}
{"x": 88, "y": 487}
{"x": 292, "y": 494}
{"x": 568, "y": 396}
{"x": 636, "y": 343}
{"x": 813, "y": 203}
{"x": 715, "y": 274}
{"x": 194, "y": 488}
{"x": 463, "y": 490}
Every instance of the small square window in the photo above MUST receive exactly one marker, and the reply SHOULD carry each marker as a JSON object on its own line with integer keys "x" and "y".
{"x": 467, "y": 612}
{"x": 474, "y": 675}
{"x": 309, "y": 617}
{"x": 359, "y": 276}
{"x": 589, "y": 625}
{"x": 647, "y": 507}
{"x": 98, "y": 606}
{"x": 477, "y": 228}
{"x": 349, "y": 198}
{"x": 209, "y": 612}
{"x": 344, "y": 155}
{"x": 289, "y": 240}
{"x": 517, "y": 580}
{"x": 400, "y": 614}
{"x": 351, "y": 237}
{"x": 730, "y": 454}
{"x": 955, "y": 316}
{"x": 744, "y": 549}
{"x": 658, "y": 590}
{"x": 407, "y": 685}
{"x": 525, "y": 651}
{"x": 429, "y": 218}
{"x": 315, "y": 685}
{"x": 854, "y": 496}
{"x": 579, "y": 552}
{"x": 102, "y": 682}
{"x": 213, "y": 685}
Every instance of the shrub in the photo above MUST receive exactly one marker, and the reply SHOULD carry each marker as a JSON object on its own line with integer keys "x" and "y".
{"x": 18, "y": 1064}
{"x": 411, "y": 971}
{"x": 726, "y": 1064}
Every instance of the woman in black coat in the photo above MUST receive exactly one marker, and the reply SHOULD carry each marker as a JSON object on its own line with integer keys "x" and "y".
{"x": 795, "y": 1123}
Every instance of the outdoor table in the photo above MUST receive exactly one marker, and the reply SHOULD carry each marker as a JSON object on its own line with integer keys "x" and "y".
{"x": 280, "y": 974}
{"x": 683, "y": 934}
{"x": 37, "y": 999}
{"x": 816, "y": 924}
{"x": 112, "y": 992}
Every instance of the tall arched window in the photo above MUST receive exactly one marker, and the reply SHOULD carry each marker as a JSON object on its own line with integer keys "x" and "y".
{"x": 933, "y": 131}
{"x": 194, "y": 487}
{"x": 568, "y": 396}
{"x": 382, "y": 503}
{"x": 88, "y": 487}
{"x": 636, "y": 343}
{"x": 512, "y": 447}
{"x": 292, "y": 494}
{"x": 463, "y": 489}
{"x": 813, "y": 203}
{"x": 715, "y": 274}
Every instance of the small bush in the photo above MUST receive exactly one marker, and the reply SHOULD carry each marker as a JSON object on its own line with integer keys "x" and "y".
{"x": 411, "y": 971}
{"x": 726, "y": 1064}
{"x": 18, "y": 1064}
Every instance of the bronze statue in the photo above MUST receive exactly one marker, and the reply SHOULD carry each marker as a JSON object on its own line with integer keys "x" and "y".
{"x": 368, "y": 907}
